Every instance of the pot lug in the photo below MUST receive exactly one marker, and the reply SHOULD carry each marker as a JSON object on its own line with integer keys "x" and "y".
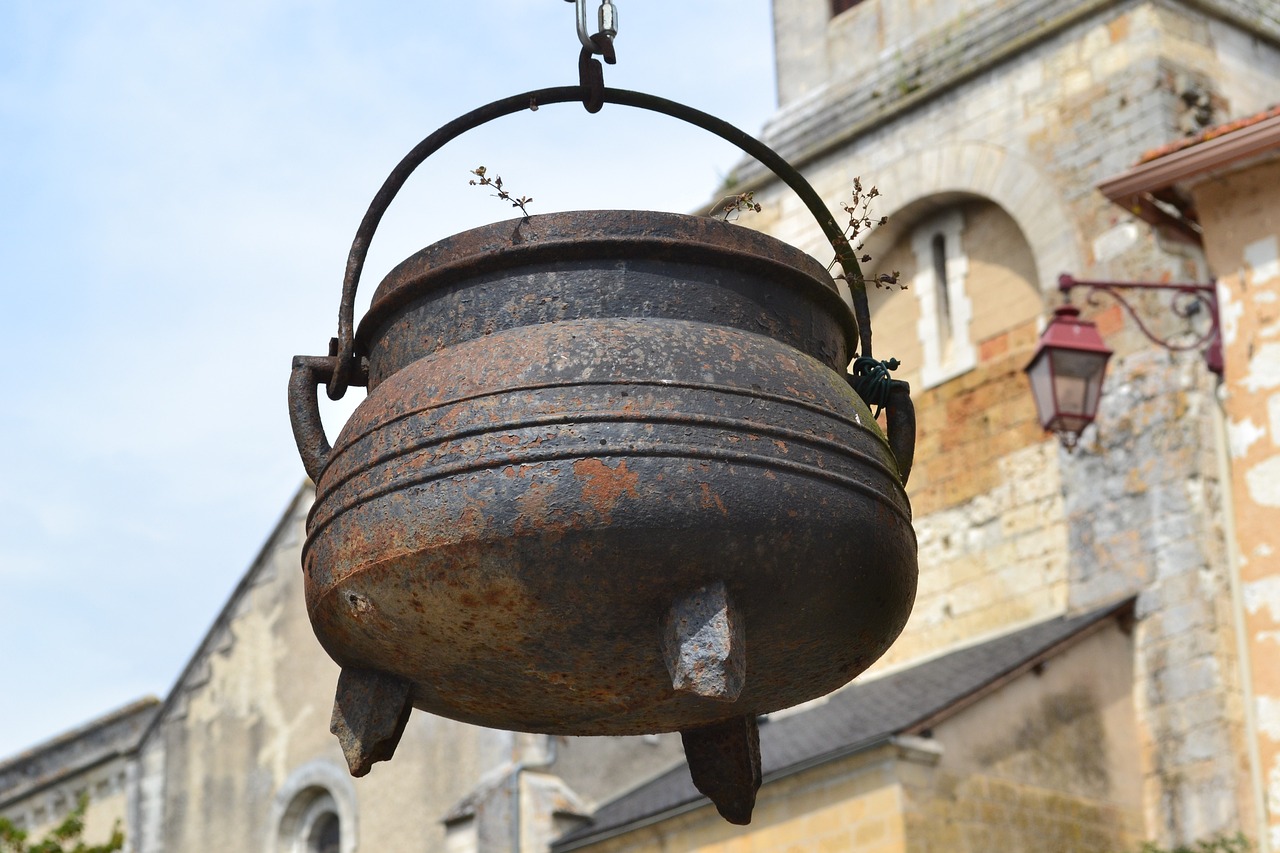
{"x": 704, "y": 645}
{"x": 369, "y": 715}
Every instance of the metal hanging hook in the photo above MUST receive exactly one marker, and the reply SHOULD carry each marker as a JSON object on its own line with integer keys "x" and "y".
{"x": 590, "y": 71}
{"x": 607, "y": 20}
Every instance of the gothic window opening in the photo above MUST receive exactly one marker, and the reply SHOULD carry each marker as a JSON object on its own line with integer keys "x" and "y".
{"x": 939, "y": 247}
{"x": 942, "y": 270}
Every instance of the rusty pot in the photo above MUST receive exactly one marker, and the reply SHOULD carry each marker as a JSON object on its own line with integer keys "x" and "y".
{"x": 609, "y": 478}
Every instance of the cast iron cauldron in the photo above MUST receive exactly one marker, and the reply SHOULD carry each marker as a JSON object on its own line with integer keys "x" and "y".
{"x": 610, "y": 478}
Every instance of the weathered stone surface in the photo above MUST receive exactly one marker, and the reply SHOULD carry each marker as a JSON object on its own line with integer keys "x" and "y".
{"x": 1009, "y": 527}
{"x": 704, "y": 645}
{"x": 1240, "y": 214}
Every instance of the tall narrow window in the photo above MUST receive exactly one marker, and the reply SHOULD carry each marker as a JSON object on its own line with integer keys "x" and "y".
{"x": 939, "y": 246}
{"x": 945, "y": 308}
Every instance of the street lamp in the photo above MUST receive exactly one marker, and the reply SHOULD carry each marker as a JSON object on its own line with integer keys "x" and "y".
{"x": 1067, "y": 370}
{"x": 1066, "y": 374}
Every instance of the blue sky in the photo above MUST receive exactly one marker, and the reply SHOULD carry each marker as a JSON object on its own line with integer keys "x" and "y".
{"x": 180, "y": 184}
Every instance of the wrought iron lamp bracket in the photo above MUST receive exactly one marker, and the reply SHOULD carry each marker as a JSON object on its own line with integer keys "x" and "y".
{"x": 1186, "y": 300}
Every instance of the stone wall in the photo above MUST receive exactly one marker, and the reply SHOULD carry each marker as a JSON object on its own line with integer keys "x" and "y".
{"x": 1029, "y": 107}
{"x": 41, "y": 786}
{"x": 882, "y": 59}
{"x": 851, "y": 804}
{"x": 983, "y": 814}
{"x": 1144, "y": 512}
{"x": 107, "y": 788}
{"x": 1241, "y": 217}
{"x": 1047, "y": 762}
{"x": 988, "y": 506}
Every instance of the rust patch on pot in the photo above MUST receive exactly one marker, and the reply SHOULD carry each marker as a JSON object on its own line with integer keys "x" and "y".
{"x": 602, "y": 486}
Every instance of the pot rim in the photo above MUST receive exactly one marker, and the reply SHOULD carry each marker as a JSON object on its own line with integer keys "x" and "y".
{"x": 602, "y": 235}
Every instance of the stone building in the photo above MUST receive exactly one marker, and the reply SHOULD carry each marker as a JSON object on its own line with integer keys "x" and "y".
{"x": 1090, "y": 663}
{"x": 39, "y": 786}
{"x": 1221, "y": 187}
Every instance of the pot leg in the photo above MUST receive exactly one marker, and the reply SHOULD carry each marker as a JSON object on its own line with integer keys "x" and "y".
{"x": 704, "y": 645}
{"x": 369, "y": 715}
{"x": 724, "y": 761}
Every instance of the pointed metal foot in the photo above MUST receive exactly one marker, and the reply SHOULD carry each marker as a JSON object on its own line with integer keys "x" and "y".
{"x": 370, "y": 712}
{"x": 724, "y": 761}
{"x": 704, "y": 645}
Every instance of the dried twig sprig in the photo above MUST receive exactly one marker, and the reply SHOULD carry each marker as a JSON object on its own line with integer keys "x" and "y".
{"x": 483, "y": 180}
{"x": 731, "y": 206}
{"x": 861, "y": 221}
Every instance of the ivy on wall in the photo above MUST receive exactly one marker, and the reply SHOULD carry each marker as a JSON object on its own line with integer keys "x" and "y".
{"x": 1237, "y": 843}
{"x": 63, "y": 838}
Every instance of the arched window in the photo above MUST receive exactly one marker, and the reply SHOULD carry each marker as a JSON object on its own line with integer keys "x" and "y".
{"x": 311, "y": 824}
{"x": 945, "y": 307}
{"x": 971, "y": 285}
{"x": 318, "y": 829}
{"x": 314, "y": 812}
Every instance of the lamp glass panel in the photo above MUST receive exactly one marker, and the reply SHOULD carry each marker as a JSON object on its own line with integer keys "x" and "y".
{"x": 1041, "y": 378}
{"x": 1072, "y": 393}
{"x": 1077, "y": 380}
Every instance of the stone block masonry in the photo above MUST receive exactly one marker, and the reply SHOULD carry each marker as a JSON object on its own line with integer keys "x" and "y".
{"x": 1241, "y": 209}
{"x": 1030, "y": 105}
{"x": 988, "y": 506}
{"x": 1143, "y": 499}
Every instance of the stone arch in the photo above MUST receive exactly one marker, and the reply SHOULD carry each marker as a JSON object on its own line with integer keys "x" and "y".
{"x": 953, "y": 169}
{"x": 990, "y": 285}
{"x": 308, "y": 784}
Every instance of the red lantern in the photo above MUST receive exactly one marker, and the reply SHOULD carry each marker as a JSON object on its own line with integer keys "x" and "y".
{"x": 1066, "y": 374}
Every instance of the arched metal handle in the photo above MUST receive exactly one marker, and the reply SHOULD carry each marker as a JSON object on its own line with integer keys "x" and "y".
{"x": 343, "y": 367}
{"x": 901, "y": 421}
{"x": 304, "y": 411}
{"x": 346, "y": 364}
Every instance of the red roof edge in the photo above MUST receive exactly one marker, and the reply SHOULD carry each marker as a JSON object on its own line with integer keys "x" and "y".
{"x": 1208, "y": 134}
{"x": 1210, "y": 151}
